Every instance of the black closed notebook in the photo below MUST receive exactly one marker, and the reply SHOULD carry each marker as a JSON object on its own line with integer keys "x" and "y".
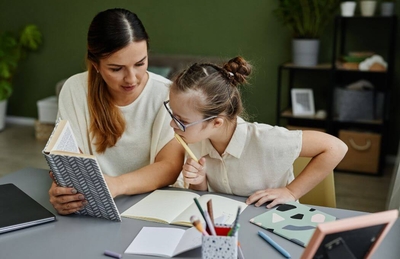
{"x": 18, "y": 210}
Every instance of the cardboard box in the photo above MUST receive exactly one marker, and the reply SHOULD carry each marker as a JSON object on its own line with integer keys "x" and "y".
{"x": 47, "y": 109}
{"x": 363, "y": 153}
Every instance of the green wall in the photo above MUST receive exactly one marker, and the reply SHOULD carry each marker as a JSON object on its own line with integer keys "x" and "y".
{"x": 223, "y": 28}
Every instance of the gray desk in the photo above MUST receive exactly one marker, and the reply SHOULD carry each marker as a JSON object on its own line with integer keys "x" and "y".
{"x": 86, "y": 237}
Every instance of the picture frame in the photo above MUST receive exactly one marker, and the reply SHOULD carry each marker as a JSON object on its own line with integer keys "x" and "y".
{"x": 357, "y": 237}
{"x": 302, "y": 102}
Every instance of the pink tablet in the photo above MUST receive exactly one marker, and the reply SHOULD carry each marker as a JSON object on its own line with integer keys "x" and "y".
{"x": 356, "y": 237}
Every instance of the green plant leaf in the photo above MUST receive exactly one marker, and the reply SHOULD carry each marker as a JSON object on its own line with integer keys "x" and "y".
{"x": 7, "y": 43}
{"x": 31, "y": 37}
{"x": 306, "y": 18}
{"x": 12, "y": 50}
{"x": 5, "y": 89}
{"x": 4, "y": 70}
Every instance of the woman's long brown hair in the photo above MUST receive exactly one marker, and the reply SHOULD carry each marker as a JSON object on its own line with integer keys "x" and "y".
{"x": 110, "y": 31}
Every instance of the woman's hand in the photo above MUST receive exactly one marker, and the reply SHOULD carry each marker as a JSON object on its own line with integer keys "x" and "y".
{"x": 194, "y": 173}
{"x": 271, "y": 196}
{"x": 65, "y": 200}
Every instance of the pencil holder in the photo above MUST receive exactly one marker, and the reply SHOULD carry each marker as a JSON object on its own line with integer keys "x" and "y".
{"x": 221, "y": 245}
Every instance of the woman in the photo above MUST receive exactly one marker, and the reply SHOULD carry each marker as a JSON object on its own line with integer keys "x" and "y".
{"x": 115, "y": 110}
{"x": 236, "y": 156}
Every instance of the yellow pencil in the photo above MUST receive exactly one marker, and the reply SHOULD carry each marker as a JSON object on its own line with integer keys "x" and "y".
{"x": 185, "y": 146}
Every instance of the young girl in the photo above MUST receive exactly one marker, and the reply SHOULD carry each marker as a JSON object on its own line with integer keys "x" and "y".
{"x": 239, "y": 157}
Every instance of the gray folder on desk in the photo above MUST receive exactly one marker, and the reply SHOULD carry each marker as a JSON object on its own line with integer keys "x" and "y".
{"x": 18, "y": 210}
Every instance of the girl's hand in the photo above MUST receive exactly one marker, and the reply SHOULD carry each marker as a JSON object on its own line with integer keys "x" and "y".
{"x": 194, "y": 173}
{"x": 271, "y": 196}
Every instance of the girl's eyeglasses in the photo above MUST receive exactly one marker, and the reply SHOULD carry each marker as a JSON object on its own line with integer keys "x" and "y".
{"x": 180, "y": 125}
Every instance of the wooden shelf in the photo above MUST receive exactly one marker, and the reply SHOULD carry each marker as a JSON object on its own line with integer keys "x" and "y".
{"x": 322, "y": 66}
{"x": 375, "y": 122}
{"x": 289, "y": 114}
{"x": 338, "y": 73}
{"x": 342, "y": 67}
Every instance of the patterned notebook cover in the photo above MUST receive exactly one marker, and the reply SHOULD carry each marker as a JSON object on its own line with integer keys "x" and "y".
{"x": 293, "y": 221}
{"x": 84, "y": 174}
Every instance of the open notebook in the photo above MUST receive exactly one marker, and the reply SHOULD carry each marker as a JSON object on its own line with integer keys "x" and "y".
{"x": 18, "y": 210}
{"x": 177, "y": 206}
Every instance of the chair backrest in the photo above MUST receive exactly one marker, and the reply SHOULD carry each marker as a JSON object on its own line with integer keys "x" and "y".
{"x": 321, "y": 195}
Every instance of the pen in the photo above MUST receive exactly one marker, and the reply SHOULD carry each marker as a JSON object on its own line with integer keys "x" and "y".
{"x": 112, "y": 254}
{"x": 274, "y": 244}
{"x": 201, "y": 212}
{"x": 234, "y": 223}
{"x": 210, "y": 211}
{"x": 185, "y": 146}
{"x": 233, "y": 230}
{"x": 240, "y": 252}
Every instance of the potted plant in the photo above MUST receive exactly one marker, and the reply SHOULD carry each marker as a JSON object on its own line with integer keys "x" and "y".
{"x": 348, "y": 8}
{"x": 307, "y": 20}
{"x": 387, "y": 7}
{"x": 12, "y": 50}
{"x": 367, "y": 7}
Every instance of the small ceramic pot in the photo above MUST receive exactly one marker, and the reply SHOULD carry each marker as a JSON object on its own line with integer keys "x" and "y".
{"x": 367, "y": 8}
{"x": 387, "y": 8}
{"x": 348, "y": 8}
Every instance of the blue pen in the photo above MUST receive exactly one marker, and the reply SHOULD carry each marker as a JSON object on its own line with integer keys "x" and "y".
{"x": 275, "y": 245}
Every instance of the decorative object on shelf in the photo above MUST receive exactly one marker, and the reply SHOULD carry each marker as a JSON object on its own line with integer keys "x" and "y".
{"x": 305, "y": 52}
{"x": 302, "y": 102}
{"x": 368, "y": 7}
{"x": 353, "y": 59}
{"x": 12, "y": 50}
{"x": 373, "y": 63}
{"x": 358, "y": 102}
{"x": 354, "y": 105}
{"x": 320, "y": 114}
{"x": 387, "y": 7}
{"x": 307, "y": 20}
{"x": 347, "y": 8}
